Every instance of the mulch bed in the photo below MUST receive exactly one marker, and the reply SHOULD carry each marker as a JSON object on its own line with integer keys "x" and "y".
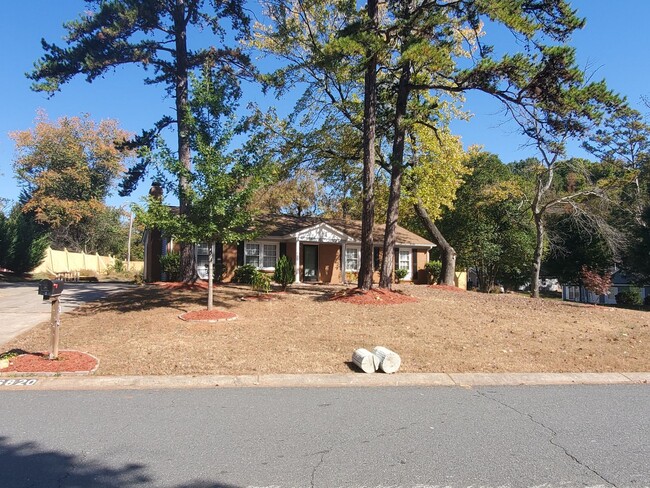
{"x": 374, "y": 296}
{"x": 39, "y": 362}
{"x": 208, "y": 316}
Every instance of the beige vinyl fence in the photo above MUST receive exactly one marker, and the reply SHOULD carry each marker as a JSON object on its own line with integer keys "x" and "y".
{"x": 65, "y": 262}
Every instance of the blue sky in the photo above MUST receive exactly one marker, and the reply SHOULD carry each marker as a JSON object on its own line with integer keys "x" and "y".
{"x": 614, "y": 45}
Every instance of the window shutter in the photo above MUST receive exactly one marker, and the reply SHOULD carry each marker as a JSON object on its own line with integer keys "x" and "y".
{"x": 396, "y": 258}
{"x": 240, "y": 253}
{"x": 283, "y": 249}
{"x": 414, "y": 265}
{"x": 375, "y": 258}
{"x": 218, "y": 253}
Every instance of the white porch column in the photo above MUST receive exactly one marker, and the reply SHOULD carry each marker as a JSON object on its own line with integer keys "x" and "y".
{"x": 343, "y": 279}
{"x": 297, "y": 264}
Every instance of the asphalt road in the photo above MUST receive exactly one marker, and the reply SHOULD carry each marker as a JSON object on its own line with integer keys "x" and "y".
{"x": 21, "y": 307}
{"x": 561, "y": 436}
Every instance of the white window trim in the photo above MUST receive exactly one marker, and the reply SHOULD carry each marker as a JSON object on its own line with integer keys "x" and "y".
{"x": 261, "y": 245}
{"x": 345, "y": 258}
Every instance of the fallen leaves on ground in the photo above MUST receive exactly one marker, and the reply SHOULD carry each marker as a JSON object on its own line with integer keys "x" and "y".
{"x": 138, "y": 332}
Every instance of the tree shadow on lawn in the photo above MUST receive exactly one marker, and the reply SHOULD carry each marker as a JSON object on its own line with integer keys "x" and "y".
{"x": 28, "y": 464}
{"x": 151, "y": 297}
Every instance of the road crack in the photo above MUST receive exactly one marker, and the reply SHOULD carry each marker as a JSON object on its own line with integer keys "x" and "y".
{"x": 318, "y": 465}
{"x": 552, "y": 438}
{"x": 356, "y": 439}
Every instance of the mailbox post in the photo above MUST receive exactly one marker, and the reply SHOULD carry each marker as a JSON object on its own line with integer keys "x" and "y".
{"x": 51, "y": 290}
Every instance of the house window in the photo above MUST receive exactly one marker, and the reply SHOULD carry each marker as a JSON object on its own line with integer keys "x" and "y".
{"x": 404, "y": 259}
{"x": 352, "y": 259}
{"x": 252, "y": 254}
{"x": 261, "y": 255}
{"x": 270, "y": 255}
{"x": 202, "y": 260}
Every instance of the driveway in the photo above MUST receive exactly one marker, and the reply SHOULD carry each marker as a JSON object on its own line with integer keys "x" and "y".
{"x": 21, "y": 307}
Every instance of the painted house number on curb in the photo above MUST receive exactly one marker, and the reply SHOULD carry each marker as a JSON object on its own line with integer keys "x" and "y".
{"x": 17, "y": 382}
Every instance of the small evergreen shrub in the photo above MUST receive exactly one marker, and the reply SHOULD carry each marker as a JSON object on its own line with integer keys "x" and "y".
{"x": 629, "y": 296}
{"x": 119, "y": 265}
{"x": 400, "y": 274}
{"x": 261, "y": 282}
{"x": 170, "y": 263}
{"x": 433, "y": 268}
{"x": 245, "y": 274}
{"x": 284, "y": 273}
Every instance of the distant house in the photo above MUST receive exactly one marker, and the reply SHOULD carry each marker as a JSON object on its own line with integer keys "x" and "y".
{"x": 322, "y": 250}
{"x": 620, "y": 282}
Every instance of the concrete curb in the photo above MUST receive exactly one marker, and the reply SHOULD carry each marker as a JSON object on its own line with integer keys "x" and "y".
{"x": 331, "y": 380}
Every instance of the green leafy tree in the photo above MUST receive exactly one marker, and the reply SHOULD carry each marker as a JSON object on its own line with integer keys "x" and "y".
{"x": 219, "y": 187}
{"x": 636, "y": 259}
{"x": 489, "y": 228}
{"x": 5, "y": 234}
{"x": 580, "y": 192}
{"x": 572, "y": 247}
{"x": 623, "y": 140}
{"x": 26, "y": 240}
{"x": 439, "y": 165}
{"x": 153, "y": 34}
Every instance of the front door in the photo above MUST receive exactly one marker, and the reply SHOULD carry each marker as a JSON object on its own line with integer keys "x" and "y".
{"x": 310, "y": 263}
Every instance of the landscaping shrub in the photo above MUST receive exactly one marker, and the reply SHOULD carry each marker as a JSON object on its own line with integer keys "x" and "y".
{"x": 284, "y": 273}
{"x": 245, "y": 274}
{"x": 261, "y": 282}
{"x": 433, "y": 268}
{"x": 138, "y": 277}
{"x": 400, "y": 274}
{"x": 170, "y": 263}
{"x": 351, "y": 276}
{"x": 119, "y": 265}
{"x": 629, "y": 296}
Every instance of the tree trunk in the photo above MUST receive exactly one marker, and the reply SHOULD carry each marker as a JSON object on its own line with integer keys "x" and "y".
{"x": 187, "y": 268}
{"x": 369, "y": 123}
{"x": 448, "y": 253}
{"x": 390, "y": 234}
{"x": 537, "y": 257}
{"x": 397, "y": 170}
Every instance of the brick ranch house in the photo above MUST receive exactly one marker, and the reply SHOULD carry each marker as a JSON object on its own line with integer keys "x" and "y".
{"x": 322, "y": 250}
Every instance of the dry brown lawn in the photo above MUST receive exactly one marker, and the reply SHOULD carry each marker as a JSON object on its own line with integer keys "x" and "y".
{"x": 302, "y": 331}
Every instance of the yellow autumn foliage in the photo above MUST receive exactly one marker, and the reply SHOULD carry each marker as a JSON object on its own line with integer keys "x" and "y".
{"x": 440, "y": 163}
